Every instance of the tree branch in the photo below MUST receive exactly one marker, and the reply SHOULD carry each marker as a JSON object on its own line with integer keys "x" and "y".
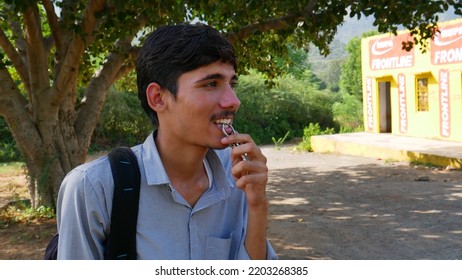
{"x": 69, "y": 69}
{"x": 53, "y": 23}
{"x": 37, "y": 57}
{"x": 126, "y": 68}
{"x": 15, "y": 59}
{"x": 95, "y": 95}
{"x": 90, "y": 21}
{"x": 13, "y": 108}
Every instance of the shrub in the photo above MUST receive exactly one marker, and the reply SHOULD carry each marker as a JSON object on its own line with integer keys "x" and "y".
{"x": 311, "y": 130}
{"x": 253, "y": 117}
{"x": 22, "y": 212}
{"x": 287, "y": 104}
{"x": 122, "y": 121}
{"x": 348, "y": 112}
{"x": 8, "y": 149}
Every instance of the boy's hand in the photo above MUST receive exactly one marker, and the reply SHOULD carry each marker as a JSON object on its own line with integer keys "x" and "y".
{"x": 252, "y": 174}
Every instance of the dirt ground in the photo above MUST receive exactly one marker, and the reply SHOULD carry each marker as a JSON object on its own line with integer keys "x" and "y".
{"x": 21, "y": 241}
{"x": 325, "y": 206}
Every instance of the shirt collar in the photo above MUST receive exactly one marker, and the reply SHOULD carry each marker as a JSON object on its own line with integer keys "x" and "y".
{"x": 156, "y": 174}
{"x": 152, "y": 164}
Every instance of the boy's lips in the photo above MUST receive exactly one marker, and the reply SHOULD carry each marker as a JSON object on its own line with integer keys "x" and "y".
{"x": 224, "y": 125}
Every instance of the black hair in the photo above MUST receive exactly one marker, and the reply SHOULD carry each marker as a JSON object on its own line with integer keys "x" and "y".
{"x": 173, "y": 50}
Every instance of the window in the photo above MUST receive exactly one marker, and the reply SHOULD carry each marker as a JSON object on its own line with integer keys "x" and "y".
{"x": 422, "y": 94}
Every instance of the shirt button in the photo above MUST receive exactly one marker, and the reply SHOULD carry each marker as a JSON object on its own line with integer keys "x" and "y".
{"x": 169, "y": 188}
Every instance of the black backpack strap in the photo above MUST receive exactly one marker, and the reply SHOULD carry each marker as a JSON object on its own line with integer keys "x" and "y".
{"x": 51, "y": 252}
{"x": 121, "y": 244}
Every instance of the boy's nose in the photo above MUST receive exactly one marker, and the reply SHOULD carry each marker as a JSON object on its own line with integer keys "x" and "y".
{"x": 230, "y": 99}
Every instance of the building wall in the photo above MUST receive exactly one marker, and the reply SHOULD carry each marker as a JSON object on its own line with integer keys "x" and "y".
{"x": 414, "y": 93}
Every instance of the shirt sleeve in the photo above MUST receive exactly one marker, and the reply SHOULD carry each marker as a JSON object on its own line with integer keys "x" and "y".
{"x": 270, "y": 253}
{"x": 80, "y": 218}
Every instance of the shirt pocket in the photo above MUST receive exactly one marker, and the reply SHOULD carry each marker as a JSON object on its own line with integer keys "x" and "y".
{"x": 217, "y": 248}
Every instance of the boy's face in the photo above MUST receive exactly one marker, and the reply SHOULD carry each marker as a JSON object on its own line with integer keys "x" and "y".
{"x": 205, "y": 99}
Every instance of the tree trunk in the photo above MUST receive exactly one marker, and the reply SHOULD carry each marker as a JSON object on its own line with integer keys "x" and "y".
{"x": 50, "y": 140}
{"x": 58, "y": 153}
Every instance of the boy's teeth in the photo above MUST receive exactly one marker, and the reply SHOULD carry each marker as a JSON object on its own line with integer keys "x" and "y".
{"x": 223, "y": 121}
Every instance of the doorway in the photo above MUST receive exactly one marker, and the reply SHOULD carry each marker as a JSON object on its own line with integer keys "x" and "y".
{"x": 385, "y": 107}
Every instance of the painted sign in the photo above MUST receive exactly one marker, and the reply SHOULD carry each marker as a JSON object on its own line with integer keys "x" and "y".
{"x": 447, "y": 45}
{"x": 402, "y": 103}
{"x": 387, "y": 53}
{"x": 369, "y": 104}
{"x": 445, "y": 113}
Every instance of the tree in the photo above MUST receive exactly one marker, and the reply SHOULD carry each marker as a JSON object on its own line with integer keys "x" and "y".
{"x": 50, "y": 48}
{"x": 348, "y": 111}
{"x": 351, "y": 76}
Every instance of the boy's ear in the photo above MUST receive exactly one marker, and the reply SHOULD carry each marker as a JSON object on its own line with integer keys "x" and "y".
{"x": 155, "y": 96}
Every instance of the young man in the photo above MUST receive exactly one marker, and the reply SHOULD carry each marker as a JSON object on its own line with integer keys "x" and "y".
{"x": 199, "y": 199}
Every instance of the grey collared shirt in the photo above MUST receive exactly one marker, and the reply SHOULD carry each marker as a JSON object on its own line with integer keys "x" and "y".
{"x": 168, "y": 227}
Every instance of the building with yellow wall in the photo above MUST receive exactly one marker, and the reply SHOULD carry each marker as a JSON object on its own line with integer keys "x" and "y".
{"x": 414, "y": 93}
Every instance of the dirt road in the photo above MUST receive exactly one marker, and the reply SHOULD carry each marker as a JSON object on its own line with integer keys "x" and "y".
{"x": 326, "y": 206}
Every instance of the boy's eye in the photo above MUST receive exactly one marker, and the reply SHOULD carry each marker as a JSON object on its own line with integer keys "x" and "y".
{"x": 233, "y": 84}
{"x": 211, "y": 84}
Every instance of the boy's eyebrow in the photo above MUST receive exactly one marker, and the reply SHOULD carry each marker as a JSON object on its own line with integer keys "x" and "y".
{"x": 215, "y": 76}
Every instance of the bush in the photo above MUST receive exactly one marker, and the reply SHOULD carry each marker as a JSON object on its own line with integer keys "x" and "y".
{"x": 252, "y": 116}
{"x": 349, "y": 113}
{"x": 359, "y": 128}
{"x": 9, "y": 152}
{"x": 122, "y": 121}
{"x": 288, "y": 105}
{"x": 22, "y": 212}
{"x": 311, "y": 130}
{"x": 8, "y": 149}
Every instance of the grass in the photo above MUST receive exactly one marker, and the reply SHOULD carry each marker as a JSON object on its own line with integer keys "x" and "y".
{"x": 23, "y": 213}
{"x": 424, "y": 164}
{"x": 11, "y": 168}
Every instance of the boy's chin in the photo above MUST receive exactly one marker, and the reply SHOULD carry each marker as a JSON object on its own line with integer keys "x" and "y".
{"x": 219, "y": 147}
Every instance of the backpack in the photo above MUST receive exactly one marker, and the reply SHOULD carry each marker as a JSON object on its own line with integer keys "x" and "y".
{"x": 121, "y": 243}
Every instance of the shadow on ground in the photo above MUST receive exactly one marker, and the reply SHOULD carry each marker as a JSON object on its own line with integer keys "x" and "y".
{"x": 366, "y": 212}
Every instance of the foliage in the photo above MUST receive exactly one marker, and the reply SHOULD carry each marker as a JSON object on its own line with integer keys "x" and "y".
{"x": 331, "y": 74}
{"x": 127, "y": 84}
{"x": 9, "y": 152}
{"x": 252, "y": 116}
{"x": 351, "y": 76}
{"x": 122, "y": 121}
{"x": 349, "y": 129}
{"x": 295, "y": 63}
{"x": 22, "y": 212}
{"x": 348, "y": 112}
{"x": 8, "y": 148}
{"x": 287, "y": 105}
{"x": 280, "y": 141}
{"x": 312, "y": 130}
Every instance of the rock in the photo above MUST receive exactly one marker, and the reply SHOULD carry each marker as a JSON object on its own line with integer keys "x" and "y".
{"x": 422, "y": 178}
